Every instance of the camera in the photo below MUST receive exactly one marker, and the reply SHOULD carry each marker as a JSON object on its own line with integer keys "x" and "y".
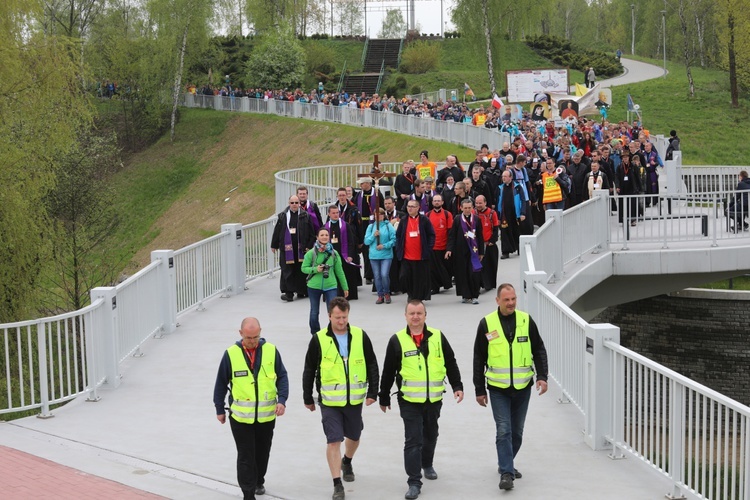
{"x": 326, "y": 269}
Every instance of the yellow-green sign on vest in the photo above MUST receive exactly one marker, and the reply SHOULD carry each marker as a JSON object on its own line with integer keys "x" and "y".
{"x": 422, "y": 381}
{"x": 502, "y": 371}
{"x": 336, "y": 388}
{"x": 253, "y": 400}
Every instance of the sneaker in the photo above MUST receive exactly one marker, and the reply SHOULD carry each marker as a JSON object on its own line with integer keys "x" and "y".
{"x": 380, "y": 299}
{"x": 504, "y": 256}
{"x": 287, "y": 297}
{"x": 465, "y": 301}
{"x": 368, "y": 282}
{"x": 338, "y": 492}
{"x": 506, "y": 481}
{"x": 414, "y": 491}
{"x": 260, "y": 490}
{"x": 475, "y": 301}
{"x": 347, "y": 472}
{"x": 515, "y": 473}
{"x": 429, "y": 473}
{"x": 387, "y": 298}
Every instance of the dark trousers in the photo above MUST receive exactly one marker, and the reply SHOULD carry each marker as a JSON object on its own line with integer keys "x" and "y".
{"x": 439, "y": 272}
{"x": 366, "y": 260}
{"x": 489, "y": 267}
{"x": 253, "y": 443}
{"x": 420, "y": 436}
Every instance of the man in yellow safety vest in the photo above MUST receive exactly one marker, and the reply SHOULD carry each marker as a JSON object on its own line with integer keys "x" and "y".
{"x": 506, "y": 344}
{"x": 419, "y": 357}
{"x": 342, "y": 364}
{"x": 252, "y": 371}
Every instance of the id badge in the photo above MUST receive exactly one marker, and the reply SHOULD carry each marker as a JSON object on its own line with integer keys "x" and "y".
{"x": 470, "y": 234}
{"x": 292, "y": 230}
{"x": 491, "y": 335}
{"x": 334, "y": 240}
{"x": 625, "y": 178}
{"x": 413, "y": 234}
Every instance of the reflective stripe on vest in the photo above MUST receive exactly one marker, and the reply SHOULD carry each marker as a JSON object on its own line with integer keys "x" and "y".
{"x": 552, "y": 192}
{"x": 253, "y": 400}
{"x": 336, "y": 389}
{"x": 419, "y": 382}
{"x": 501, "y": 372}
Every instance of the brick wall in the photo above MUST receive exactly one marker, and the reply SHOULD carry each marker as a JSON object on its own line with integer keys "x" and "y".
{"x": 702, "y": 334}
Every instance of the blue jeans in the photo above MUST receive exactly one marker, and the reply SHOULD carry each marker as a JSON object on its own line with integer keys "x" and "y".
{"x": 509, "y": 410}
{"x": 315, "y": 296}
{"x": 381, "y": 269}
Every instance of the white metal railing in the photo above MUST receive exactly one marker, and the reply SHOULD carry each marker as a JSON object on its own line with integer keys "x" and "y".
{"x": 199, "y": 272}
{"x": 697, "y": 437}
{"x": 259, "y": 261}
{"x": 464, "y": 134}
{"x": 139, "y": 315}
{"x": 50, "y": 360}
{"x": 694, "y": 436}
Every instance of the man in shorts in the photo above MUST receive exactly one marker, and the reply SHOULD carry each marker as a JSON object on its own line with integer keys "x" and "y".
{"x": 341, "y": 362}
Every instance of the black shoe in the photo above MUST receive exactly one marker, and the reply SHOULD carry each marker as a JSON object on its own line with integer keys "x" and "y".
{"x": 515, "y": 473}
{"x": 414, "y": 491}
{"x": 338, "y": 492}
{"x": 504, "y": 256}
{"x": 429, "y": 473}
{"x": 301, "y": 295}
{"x": 287, "y": 297}
{"x": 506, "y": 481}
{"x": 260, "y": 490}
{"x": 348, "y": 472}
{"x": 368, "y": 282}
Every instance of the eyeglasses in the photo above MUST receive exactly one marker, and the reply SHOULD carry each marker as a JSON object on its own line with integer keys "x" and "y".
{"x": 294, "y": 203}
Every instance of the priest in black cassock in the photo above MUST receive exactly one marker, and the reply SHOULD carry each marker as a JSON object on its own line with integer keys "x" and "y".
{"x": 293, "y": 235}
{"x": 365, "y": 201}
{"x": 344, "y": 241}
{"x": 512, "y": 207}
{"x": 466, "y": 249}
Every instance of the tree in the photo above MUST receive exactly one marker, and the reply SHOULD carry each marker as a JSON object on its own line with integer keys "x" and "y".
{"x": 394, "y": 25}
{"x": 42, "y": 106}
{"x": 350, "y": 18}
{"x": 82, "y": 218}
{"x": 277, "y": 61}
{"x": 686, "y": 46}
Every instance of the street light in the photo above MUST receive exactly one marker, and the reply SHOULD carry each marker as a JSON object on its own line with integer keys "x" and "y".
{"x": 632, "y": 24}
{"x": 664, "y": 33}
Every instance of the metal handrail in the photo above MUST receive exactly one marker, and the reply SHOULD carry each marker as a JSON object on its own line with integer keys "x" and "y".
{"x": 364, "y": 52}
{"x": 400, "y": 48}
{"x": 380, "y": 78}
{"x": 341, "y": 78}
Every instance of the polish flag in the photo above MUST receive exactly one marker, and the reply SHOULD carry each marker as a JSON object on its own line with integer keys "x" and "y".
{"x": 497, "y": 102}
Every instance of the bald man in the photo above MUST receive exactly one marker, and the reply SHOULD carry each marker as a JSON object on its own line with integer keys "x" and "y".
{"x": 256, "y": 397}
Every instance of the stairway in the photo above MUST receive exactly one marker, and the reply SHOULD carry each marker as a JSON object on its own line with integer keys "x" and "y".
{"x": 381, "y": 53}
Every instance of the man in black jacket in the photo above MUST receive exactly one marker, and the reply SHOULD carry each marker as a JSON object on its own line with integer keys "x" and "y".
{"x": 415, "y": 238}
{"x": 293, "y": 235}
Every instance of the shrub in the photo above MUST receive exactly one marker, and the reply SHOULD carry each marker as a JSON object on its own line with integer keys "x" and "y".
{"x": 420, "y": 57}
{"x": 401, "y": 82}
{"x": 562, "y": 52}
{"x": 319, "y": 58}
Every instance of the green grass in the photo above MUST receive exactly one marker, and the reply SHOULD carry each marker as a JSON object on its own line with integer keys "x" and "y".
{"x": 738, "y": 283}
{"x": 345, "y": 50}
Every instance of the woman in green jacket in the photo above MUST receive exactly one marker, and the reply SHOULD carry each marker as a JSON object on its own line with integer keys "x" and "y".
{"x": 322, "y": 264}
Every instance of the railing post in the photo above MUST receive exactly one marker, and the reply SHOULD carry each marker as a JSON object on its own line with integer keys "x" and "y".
{"x": 108, "y": 335}
{"x": 167, "y": 290}
{"x": 233, "y": 246}
{"x": 270, "y": 255}
{"x": 603, "y": 235}
{"x": 92, "y": 363}
{"x": 557, "y": 268}
{"x": 41, "y": 349}
{"x": 676, "y": 463}
{"x": 599, "y": 397}
{"x": 530, "y": 296}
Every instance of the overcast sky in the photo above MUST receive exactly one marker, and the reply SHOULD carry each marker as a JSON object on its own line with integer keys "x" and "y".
{"x": 427, "y": 14}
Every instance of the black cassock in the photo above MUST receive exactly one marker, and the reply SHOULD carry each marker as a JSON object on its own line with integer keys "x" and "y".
{"x": 467, "y": 280}
{"x": 351, "y": 271}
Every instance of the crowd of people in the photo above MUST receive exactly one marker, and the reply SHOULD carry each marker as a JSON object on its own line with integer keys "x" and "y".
{"x": 438, "y": 229}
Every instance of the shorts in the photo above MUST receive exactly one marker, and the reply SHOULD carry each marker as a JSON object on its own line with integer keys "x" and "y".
{"x": 342, "y": 421}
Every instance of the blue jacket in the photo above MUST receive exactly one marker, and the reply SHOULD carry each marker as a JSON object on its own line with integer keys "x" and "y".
{"x": 519, "y": 198}
{"x": 387, "y": 239}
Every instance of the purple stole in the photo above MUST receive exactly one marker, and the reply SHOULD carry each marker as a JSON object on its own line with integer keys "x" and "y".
{"x": 476, "y": 264}
{"x": 361, "y": 200}
{"x": 423, "y": 207}
{"x": 343, "y": 229}
{"x": 289, "y": 247}
{"x": 313, "y": 216}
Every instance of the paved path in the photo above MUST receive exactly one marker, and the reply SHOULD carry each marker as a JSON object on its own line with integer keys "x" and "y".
{"x": 635, "y": 71}
{"x": 157, "y": 431}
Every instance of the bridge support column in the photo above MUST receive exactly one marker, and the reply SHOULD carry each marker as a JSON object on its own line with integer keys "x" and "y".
{"x": 555, "y": 254}
{"x": 108, "y": 322}
{"x": 529, "y": 297}
{"x": 233, "y": 248}
{"x": 167, "y": 290}
{"x": 602, "y": 392}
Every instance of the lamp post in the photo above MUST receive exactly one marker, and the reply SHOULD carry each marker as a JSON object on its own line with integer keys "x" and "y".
{"x": 632, "y": 24}
{"x": 664, "y": 34}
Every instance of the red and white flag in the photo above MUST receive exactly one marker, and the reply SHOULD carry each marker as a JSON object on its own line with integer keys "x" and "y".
{"x": 497, "y": 102}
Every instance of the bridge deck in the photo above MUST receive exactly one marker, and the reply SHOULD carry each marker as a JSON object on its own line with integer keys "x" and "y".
{"x": 158, "y": 433}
